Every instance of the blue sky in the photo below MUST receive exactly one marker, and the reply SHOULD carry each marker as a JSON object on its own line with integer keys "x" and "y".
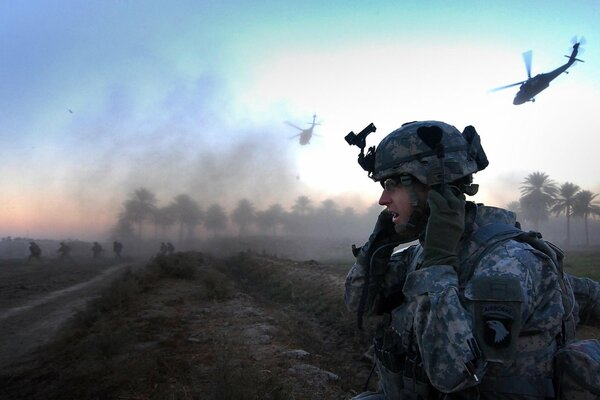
{"x": 192, "y": 96}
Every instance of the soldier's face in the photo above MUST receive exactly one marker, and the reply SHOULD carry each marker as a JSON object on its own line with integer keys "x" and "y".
{"x": 397, "y": 200}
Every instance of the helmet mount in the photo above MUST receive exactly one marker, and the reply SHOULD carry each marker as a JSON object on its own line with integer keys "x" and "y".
{"x": 367, "y": 162}
{"x": 433, "y": 152}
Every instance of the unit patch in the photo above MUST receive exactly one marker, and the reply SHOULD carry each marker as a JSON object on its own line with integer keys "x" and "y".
{"x": 497, "y": 315}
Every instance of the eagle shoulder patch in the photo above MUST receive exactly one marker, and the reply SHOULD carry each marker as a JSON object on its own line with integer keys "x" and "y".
{"x": 497, "y": 316}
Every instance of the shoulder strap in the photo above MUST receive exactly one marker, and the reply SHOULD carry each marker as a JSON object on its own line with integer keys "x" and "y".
{"x": 488, "y": 237}
{"x": 482, "y": 241}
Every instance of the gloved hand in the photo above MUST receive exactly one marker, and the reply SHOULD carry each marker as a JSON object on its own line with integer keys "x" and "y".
{"x": 445, "y": 227}
{"x": 384, "y": 234}
{"x": 374, "y": 258}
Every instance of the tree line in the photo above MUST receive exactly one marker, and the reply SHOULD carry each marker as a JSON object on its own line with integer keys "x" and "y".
{"x": 142, "y": 217}
{"x": 541, "y": 197}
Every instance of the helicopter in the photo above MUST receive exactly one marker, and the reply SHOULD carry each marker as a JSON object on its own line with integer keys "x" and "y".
{"x": 305, "y": 134}
{"x": 533, "y": 86}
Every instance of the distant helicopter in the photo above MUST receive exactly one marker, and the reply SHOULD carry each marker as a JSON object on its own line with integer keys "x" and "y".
{"x": 305, "y": 134}
{"x": 532, "y": 86}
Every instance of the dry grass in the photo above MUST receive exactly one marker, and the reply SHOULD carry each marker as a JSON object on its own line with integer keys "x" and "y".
{"x": 133, "y": 342}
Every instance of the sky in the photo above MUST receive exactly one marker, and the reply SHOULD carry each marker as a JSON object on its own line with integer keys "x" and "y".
{"x": 98, "y": 98}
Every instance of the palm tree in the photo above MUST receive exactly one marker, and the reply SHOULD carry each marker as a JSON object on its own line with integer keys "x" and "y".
{"x": 302, "y": 205}
{"x": 140, "y": 207}
{"x": 123, "y": 229}
{"x": 329, "y": 208}
{"x": 216, "y": 218}
{"x": 270, "y": 218}
{"x": 164, "y": 217}
{"x": 538, "y": 193}
{"x": 187, "y": 213}
{"x": 564, "y": 204}
{"x": 244, "y": 215}
{"x": 584, "y": 207}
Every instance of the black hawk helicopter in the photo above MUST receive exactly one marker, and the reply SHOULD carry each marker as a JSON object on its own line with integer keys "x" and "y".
{"x": 305, "y": 134}
{"x": 532, "y": 86}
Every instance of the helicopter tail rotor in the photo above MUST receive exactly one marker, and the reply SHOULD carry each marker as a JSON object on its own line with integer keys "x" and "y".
{"x": 576, "y": 48}
{"x": 581, "y": 40}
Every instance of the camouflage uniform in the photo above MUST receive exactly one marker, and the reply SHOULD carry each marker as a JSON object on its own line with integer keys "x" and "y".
{"x": 441, "y": 338}
{"x": 465, "y": 316}
{"x": 35, "y": 251}
{"x": 96, "y": 250}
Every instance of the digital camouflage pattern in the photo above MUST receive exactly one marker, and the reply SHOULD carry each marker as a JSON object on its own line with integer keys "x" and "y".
{"x": 578, "y": 365}
{"x": 458, "y": 335}
{"x": 403, "y": 151}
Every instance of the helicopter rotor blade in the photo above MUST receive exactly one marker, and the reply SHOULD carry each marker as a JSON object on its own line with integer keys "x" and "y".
{"x": 291, "y": 137}
{"x": 506, "y": 86}
{"x": 293, "y": 126}
{"x": 527, "y": 59}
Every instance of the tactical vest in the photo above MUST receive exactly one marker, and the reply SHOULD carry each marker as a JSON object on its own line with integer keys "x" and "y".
{"x": 401, "y": 361}
{"x": 492, "y": 235}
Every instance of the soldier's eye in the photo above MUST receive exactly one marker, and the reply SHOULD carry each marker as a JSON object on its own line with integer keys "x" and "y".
{"x": 389, "y": 184}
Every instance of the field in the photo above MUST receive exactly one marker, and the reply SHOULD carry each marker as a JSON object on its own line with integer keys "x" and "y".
{"x": 583, "y": 263}
{"x": 188, "y": 326}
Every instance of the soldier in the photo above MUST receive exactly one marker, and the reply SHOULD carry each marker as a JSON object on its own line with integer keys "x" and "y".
{"x": 476, "y": 309}
{"x": 163, "y": 249}
{"x": 34, "y": 252}
{"x": 64, "y": 250}
{"x": 170, "y": 248}
{"x": 117, "y": 248}
{"x": 96, "y": 250}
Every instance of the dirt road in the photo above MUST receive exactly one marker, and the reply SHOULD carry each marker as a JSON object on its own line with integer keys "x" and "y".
{"x": 35, "y": 300}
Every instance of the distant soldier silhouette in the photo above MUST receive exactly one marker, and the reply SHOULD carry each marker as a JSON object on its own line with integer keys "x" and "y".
{"x": 117, "y": 248}
{"x": 34, "y": 252}
{"x": 65, "y": 251}
{"x": 163, "y": 249}
{"x": 170, "y": 248}
{"x": 96, "y": 250}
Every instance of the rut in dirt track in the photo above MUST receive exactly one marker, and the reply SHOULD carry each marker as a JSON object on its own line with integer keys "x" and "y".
{"x": 25, "y": 327}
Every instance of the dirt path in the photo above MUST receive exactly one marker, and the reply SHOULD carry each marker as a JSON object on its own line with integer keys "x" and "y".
{"x": 204, "y": 337}
{"x": 34, "y": 316}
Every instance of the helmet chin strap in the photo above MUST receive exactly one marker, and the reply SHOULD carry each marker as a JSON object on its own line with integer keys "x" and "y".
{"x": 417, "y": 220}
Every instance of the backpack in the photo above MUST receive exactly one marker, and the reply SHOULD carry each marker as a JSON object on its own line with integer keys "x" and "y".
{"x": 577, "y": 366}
{"x": 577, "y": 362}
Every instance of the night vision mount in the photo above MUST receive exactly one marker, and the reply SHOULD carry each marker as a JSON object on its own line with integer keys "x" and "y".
{"x": 366, "y": 161}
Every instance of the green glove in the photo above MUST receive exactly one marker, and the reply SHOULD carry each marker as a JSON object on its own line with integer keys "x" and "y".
{"x": 445, "y": 227}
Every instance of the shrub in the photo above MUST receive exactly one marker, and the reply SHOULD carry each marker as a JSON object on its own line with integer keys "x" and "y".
{"x": 179, "y": 265}
{"x": 217, "y": 286}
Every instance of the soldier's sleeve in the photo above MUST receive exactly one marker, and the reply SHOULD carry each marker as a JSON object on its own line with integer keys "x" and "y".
{"x": 355, "y": 280}
{"x": 444, "y": 329}
{"x": 587, "y": 295}
{"x": 391, "y": 280}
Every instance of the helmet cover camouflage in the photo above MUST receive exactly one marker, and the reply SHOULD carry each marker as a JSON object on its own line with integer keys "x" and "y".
{"x": 406, "y": 151}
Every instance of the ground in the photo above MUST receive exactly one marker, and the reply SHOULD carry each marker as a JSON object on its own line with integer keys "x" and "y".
{"x": 36, "y": 298}
{"x": 163, "y": 333}
{"x": 187, "y": 326}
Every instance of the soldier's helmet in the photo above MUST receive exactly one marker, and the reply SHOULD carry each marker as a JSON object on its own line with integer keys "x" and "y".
{"x": 434, "y": 152}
